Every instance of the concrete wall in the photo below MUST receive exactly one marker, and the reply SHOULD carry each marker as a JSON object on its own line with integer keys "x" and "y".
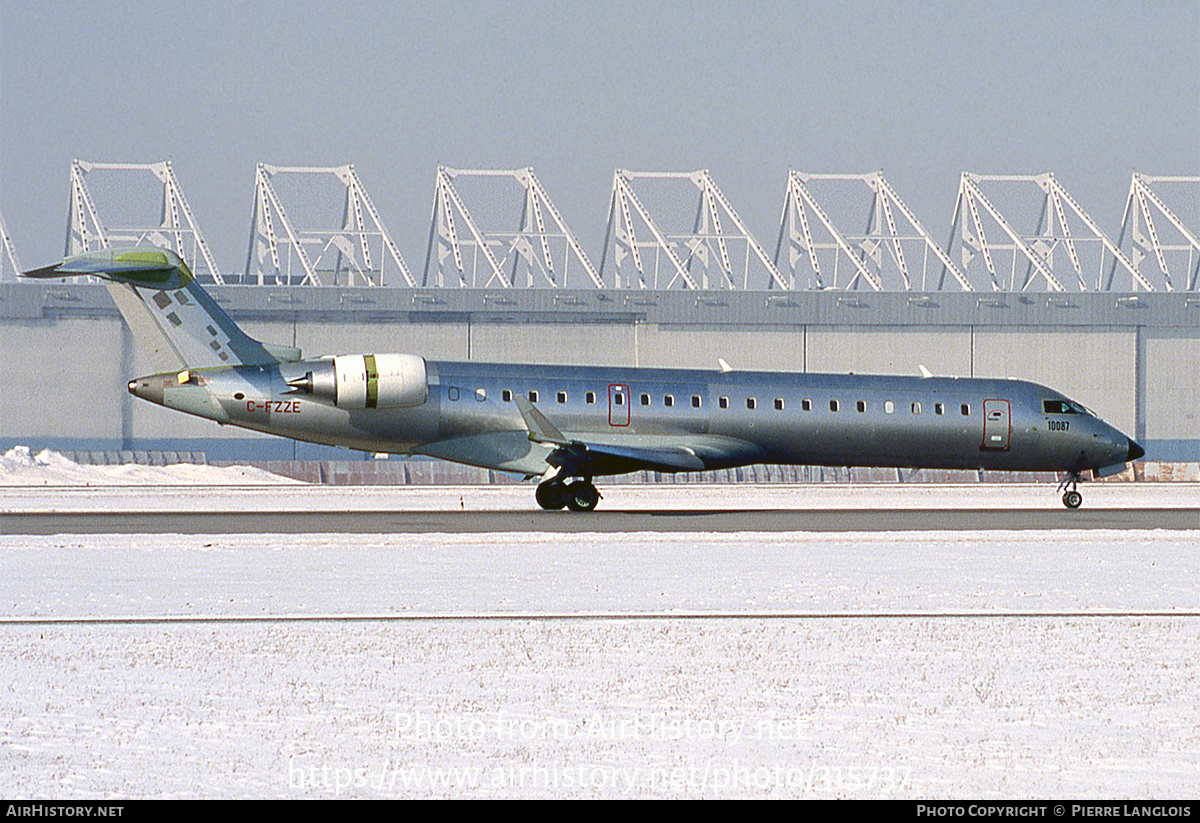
{"x": 63, "y": 376}
{"x": 1171, "y": 386}
{"x": 889, "y": 350}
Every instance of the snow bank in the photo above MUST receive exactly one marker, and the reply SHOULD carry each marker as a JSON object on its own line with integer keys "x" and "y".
{"x": 20, "y": 467}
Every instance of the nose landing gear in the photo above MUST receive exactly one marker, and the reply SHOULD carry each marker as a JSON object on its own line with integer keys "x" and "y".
{"x": 1071, "y": 497}
{"x": 579, "y": 496}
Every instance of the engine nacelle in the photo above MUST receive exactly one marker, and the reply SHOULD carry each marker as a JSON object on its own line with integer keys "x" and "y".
{"x": 368, "y": 381}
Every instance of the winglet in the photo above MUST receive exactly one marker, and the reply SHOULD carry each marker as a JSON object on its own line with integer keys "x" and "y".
{"x": 541, "y": 430}
{"x": 725, "y": 367}
{"x": 925, "y": 373}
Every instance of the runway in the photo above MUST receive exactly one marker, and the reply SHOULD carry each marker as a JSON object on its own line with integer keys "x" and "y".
{"x": 604, "y": 522}
{"x": 585, "y": 617}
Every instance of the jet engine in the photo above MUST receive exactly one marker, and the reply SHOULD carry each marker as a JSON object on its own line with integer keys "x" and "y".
{"x": 367, "y": 381}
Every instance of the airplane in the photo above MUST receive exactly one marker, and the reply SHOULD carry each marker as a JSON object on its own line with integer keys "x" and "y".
{"x": 571, "y": 424}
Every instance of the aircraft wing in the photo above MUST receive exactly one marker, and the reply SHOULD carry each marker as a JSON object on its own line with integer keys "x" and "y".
{"x": 590, "y": 455}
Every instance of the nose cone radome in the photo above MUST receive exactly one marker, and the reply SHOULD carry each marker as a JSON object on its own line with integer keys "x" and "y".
{"x": 1136, "y": 452}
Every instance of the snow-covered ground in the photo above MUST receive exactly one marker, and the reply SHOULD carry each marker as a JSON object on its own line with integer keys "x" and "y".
{"x": 947, "y": 664}
{"x": 19, "y": 466}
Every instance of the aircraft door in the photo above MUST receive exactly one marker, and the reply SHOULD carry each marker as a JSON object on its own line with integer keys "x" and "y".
{"x": 997, "y": 425}
{"x": 618, "y": 405}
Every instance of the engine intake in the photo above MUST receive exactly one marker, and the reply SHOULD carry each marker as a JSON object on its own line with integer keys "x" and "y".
{"x": 368, "y": 381}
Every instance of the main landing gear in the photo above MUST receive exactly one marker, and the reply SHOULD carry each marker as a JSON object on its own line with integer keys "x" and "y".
{"x": 1071, "y": 497}
{"x": 578, "y": 496}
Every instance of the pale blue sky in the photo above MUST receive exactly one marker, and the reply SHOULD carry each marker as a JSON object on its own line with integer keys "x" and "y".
{"x": 923, "y": 90}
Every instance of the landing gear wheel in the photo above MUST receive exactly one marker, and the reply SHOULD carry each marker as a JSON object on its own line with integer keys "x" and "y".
{"x": 582, "y": 496}
{"x": 551, "y": 495}
{"x": 1071, "y": 498}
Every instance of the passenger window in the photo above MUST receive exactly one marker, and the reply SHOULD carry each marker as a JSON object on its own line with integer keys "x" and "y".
{"x": 861, "y": 405}
{"x": 533, "y": 395}
{"x": 695, "y": 401}
{"x": 481, "y": 395}
{"x": 806, "y": 404}
{"x": 452, "y": 392}
{"x": 939, "y": 408}
{"x": 645, "y": 400}
{"x": 833, "y": 405}
{"x": 562, "y": 397}
{"x": 916, "y": 407}
{"x": 778, "y": 404}
{"x": 669, "y": 400}
{"x": 723, "y": 402}
{"x": 965, "y": 408}
{"x": 506, "y": 395}
{"x": 590, "y": 397}
{"x": 751, "y": 403}
{"x": 888, "y": 407}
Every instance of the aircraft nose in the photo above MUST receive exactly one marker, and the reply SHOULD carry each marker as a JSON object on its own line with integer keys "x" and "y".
{"x": 1136, "y": 452}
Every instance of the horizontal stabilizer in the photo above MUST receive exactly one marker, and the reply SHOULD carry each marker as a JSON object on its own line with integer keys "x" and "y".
{"x": 148, "y": 268}
{"x": 176, "y": 320}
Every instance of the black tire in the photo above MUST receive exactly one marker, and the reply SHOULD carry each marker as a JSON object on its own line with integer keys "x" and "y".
{"x": 582, "y": 496}
{"x": 551, "y": 495}
{"x": 1072, "y": 499}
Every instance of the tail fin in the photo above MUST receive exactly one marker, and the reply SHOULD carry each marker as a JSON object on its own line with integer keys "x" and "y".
{"x": 167, "y": 310}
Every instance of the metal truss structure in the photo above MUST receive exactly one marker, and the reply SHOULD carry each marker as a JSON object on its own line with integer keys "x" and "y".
{"x": 1150, "y": 229}
{"x": 499, "y": 229}
{"x": 125, "y": 222}
{"x": 507, "y": 247}
{"x": 8, "y": 255}
{"x": 1064, "y": 250}
{"x": 702, "y": 257}
{"x": 354, "y": 253}
{"x": 822, "y": 256}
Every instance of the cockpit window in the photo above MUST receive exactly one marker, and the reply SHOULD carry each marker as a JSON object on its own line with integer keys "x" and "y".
{"x": 1062, "y": 407}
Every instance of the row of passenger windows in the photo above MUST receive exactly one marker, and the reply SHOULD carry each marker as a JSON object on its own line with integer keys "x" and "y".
{"x": 618, "y": 399}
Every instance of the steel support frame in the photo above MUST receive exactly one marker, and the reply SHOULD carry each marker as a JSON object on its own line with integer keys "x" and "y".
{"x": 460, "y": 247}
{"x": 863, "y": 251}
{"x": 8, "y": 254}
{"x": 708, "y": 244}
{"x": 281, "y": 253}
{"x": 1052, "y": 232}
{"x": 1147, "y": 238}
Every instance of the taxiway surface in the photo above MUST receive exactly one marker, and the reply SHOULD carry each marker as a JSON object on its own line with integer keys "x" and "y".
{"x": 659, "y": 520}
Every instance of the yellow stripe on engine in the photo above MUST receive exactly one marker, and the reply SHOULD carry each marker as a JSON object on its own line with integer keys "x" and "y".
{"x": 372, "y": 381}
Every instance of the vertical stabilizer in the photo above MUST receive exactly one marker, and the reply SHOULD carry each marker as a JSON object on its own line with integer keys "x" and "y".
{"x": 177, "y": 321}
